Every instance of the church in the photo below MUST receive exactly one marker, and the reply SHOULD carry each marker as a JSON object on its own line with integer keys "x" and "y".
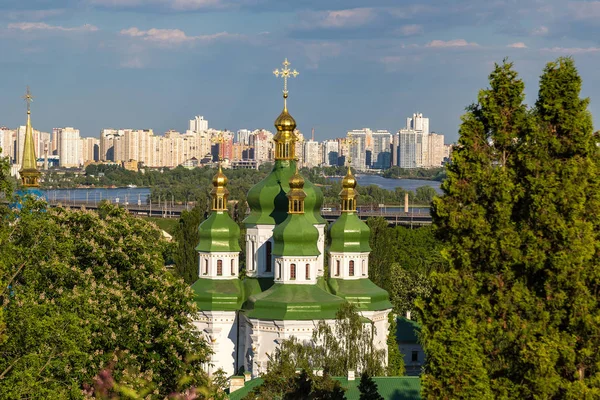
{"x": 285, "y": 291}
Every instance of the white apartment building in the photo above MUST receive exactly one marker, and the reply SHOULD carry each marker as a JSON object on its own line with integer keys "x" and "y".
{"x": 312, "y": 154}
{"x": 437, "y": 151}
{"x": 418, "y": 123}
{"x": 198, "y": 124}
{"x": 7, "y": 143}
{"x": 357, "y": 150}
{"x": 89, "y": 149}
{"x": 107, "y": 138}
{"x": 331, "y": 152}
{"x": 69, "y": 147}
{"x": 381, "y": 152}
{"x": 243, "y": 136}
{"x": 262, "y": 140}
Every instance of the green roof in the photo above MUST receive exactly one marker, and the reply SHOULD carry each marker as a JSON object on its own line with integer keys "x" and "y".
{"x": 407, "y": 331}
{"x": 363, "y": 293}
{"x": 219, "y": 233}
{"x": 389, "y": 387}
{"x": 296, "y": 236}
{"x": 349, "y": 234}
{"x": 269, "y": 204}
{"x": 293, "y": 302}
{"x": 218, "y": 294}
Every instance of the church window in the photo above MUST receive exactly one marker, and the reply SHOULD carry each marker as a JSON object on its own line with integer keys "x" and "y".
{"x": 363, "y": 269}
{"x": 337, "y": 267}
{"x": 307, "y": 271}
{"x": 351, "y": 268}
{"x": 205, "y": 267}
{"x": 415, "y": 356}
{"x": 278, "y": 270}
{"x": 219, "y": 267}
{"x": 232, "y": 267}
{"x": 292, "y": 271}
{"x": 269, "y": 256}
{"x": 252, "y": 256}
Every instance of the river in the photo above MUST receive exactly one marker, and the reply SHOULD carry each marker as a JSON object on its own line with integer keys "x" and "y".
{"x": 132, "y": 195}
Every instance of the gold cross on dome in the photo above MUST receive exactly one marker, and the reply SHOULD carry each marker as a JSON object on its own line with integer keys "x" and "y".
{"x": 349, "y": 141}
{"x": 285, "y": 73}
{"x": 219, "y": 138}
{"x": 28, "y": 98}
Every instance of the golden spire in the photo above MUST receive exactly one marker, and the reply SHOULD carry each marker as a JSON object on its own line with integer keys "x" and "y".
{"x": 285, "y": 124}
{"x": 348, "y": 195}
{"x": 30, "y": 176}
{"x": 219, "y": 192}
{"x": 296, "y": 195}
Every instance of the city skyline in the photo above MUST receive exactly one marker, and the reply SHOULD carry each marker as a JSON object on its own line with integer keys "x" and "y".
{"x": 151, "y": 64}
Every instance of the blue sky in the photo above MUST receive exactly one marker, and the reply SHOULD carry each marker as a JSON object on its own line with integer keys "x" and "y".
{"x": 155, "y": 64}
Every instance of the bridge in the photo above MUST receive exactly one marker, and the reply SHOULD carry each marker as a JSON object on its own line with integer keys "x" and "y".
{"x": 393, "y": 217}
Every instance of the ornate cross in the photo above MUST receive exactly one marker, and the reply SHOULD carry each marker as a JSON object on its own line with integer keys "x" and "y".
{"x": 28, "y": 98}
{"x": 349, "y": 141}
{"x": 285, "y": 73}
{"x": 220, "y": 139}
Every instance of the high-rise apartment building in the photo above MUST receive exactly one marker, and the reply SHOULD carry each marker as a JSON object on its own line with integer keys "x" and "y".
{"x": 7, "y": 143}
{"x": 436, "y": 150}
{"x": 107, "y": 139}
{"x": 198, "y": 124}
{"x": 90, "y": 149}
{"x": 69, "y": 147}
{"x": 312, "y": 154}
{"x": 357, "y": 148}
{"x": 331, "y": 152}
{"x": 381, "y": 152}
{"x": 243, "y": 136}
{"x": 262, "y": 140}
{"x": 418, "y": 123}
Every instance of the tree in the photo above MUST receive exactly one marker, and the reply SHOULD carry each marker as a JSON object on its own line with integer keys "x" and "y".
{"x": 516, "y": 315}
{"x": 90, "y": 291}
{"x": 186, "y": 236}
{"x": 395, "y": 362}
{"x": 368, "y": 388}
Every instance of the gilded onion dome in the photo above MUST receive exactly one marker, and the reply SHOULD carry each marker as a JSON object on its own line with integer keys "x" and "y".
{"x": 296, "y": 236}
{"x": 349, "y": 233}
{"x": 267, "y": 199}
{"x": 219, "y": 233}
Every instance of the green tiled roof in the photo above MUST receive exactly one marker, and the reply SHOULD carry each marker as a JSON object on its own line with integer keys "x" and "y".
{"x": 293, "y": 302}
{"x": 296, "y": 236}
{"x": 219, "y": 233}
{"x": 269, "y": 204}
{"x": 349, "y": 234}
{"x": 407, "y": 331}
{"x": 218, "y": 295}
{"x": 366, "y": 295}
{"x": 390, "y": 387}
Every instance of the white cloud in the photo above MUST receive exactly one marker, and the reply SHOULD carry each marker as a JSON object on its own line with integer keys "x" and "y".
{"x": 517, "y": 45}
{"x": 572, "y": 50}
{"x": 174, "y": 36}
{"x": 178, "y": 5}
{"x": 451, "y": 43}
{"x": 42, "y": 26}
{"x": 410, "y": 30}
{"x": 541, "y": 31}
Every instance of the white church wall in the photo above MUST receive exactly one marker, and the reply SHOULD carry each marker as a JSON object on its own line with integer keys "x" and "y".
{"x": 257, "y": 237}
{"x": 220, "y": 331}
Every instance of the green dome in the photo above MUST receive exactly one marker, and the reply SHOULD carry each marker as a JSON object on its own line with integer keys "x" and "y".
{"x": 296, "y": 236}
{"x": 349, "y": 234}
{"x": 219, "y": 233}
{"x": 269, "y": 204}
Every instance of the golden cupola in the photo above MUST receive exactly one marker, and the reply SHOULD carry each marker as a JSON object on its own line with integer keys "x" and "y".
{"x": 349, "y": 193}
{"x": 296, "y": 195}
{"x": 285, "y": 124}
{"x": 219, "y": 192}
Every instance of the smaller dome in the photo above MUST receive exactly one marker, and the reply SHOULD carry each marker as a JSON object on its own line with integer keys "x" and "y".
{"x": 285, "y": 122}
{"x": 296, "y": 181}
{"x": 349, "y": 181}
{"x": 219, "y": 180}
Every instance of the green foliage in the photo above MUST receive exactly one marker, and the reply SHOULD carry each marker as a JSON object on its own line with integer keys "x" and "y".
{"x": 186, "y": 236}
{"x": 89, "y": 291}
{"x": 368, "y": 388}
{"x": 516, "y": 315}
{"x": 395, "y": 362}
{"x": 401, "y": 261}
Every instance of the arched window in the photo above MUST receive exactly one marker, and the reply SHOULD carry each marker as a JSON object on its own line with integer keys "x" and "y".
{"x": 232, "y": 267}
{"x": 278, "y": 270}
{"x": 292, "y": 271}
{"x": 219, "y": 267}
{"x": 351, "y": 268}
{"x": 307, "y": 271}
{"x": 363, "y": 269}
{"x": 252, "y": 255}
{"x": 337, "y": 267}
{"x": 269, "y": 256}
{"x": 205, "y": 266}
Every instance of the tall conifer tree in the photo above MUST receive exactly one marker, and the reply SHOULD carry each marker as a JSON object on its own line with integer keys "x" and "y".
{"x": 517, "y": 314}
